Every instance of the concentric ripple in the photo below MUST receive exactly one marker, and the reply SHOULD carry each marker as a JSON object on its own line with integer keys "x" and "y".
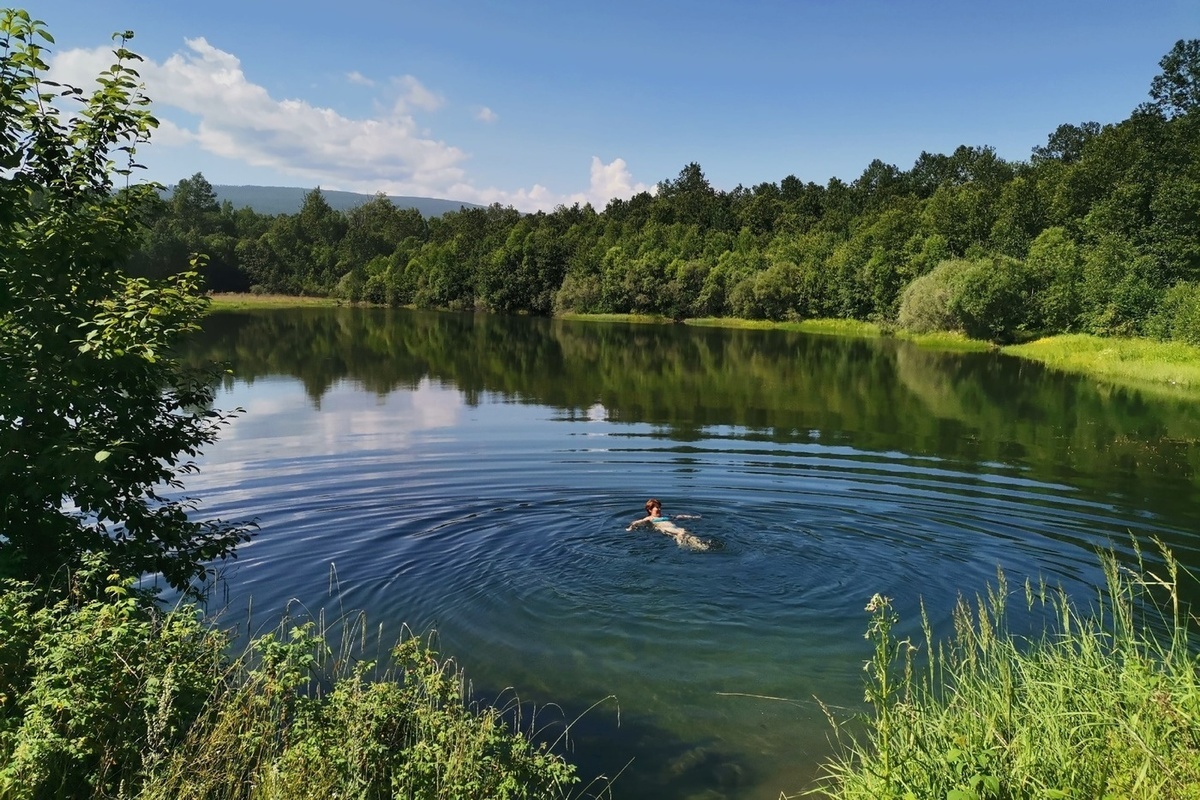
{"x": 503, "y": 527}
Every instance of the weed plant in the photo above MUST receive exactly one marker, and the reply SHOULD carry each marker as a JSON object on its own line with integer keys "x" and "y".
{"x": 113, "y": 698}
{"x": 1104, "y": 703}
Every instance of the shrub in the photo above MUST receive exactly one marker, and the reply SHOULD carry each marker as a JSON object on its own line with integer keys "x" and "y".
{"x": 91, "y": 696}
{"x": 1178, "y": 314}
{"x": 107, "y": 698}
{"x": 989, "y": 298}
{"x": 925, "y": 304}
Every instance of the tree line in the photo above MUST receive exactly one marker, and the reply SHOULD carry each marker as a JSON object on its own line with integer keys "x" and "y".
{"x": 1098, "y": 232}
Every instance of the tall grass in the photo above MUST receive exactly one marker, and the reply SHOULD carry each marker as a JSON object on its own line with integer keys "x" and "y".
{"x": 1104, "y": 703}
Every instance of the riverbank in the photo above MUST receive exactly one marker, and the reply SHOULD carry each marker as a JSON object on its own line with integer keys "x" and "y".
{"x": 239, "y": 301}
{"x": 1170, "y": 367}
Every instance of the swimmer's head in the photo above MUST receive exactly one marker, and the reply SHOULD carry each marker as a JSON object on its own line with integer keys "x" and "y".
{"x": 653, "y": 506}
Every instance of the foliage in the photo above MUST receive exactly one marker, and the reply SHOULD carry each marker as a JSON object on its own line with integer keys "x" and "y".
{"x": 1104, "y": 217}
{"x": 1102, "y": 704}
{"x": 93, "y": 693}
{"x": 989, "y": 298}
{"x": 408, "y": 732}
{"x": 1178, "y": 315}
{"x": 927, "y": 303}
{"x": 96, "y": 417}
{"x": 106, "y": 698}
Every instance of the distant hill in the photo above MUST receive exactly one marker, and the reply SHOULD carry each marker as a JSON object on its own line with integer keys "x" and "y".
{"x": 289, "y": 199}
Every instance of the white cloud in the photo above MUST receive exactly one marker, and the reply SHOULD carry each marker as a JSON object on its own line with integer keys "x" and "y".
{"x": 354, "y": 76}
{"x": 234, "y": 118}
{"x": 485, "y": 114}
{"x": 414, "y": 94}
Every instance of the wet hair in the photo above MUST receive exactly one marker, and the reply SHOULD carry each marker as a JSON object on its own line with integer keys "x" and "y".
{"x": 652, "y": 503}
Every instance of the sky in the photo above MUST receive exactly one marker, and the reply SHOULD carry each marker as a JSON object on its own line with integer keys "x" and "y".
{"x": 540, "y": 103}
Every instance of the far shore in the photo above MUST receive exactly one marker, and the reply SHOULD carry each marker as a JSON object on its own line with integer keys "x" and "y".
{"x": 1163, "y": 367}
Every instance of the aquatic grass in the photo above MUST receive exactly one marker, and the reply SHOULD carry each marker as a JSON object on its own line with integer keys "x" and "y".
{"x": 1125, "y": 360}
{"x": 1104, "y": 703}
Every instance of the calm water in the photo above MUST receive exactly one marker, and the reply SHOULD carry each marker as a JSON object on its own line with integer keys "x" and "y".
{"x": 475, "y": 475}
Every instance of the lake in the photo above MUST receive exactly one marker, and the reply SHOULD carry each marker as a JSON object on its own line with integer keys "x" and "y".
{"x": 475, "y": 475}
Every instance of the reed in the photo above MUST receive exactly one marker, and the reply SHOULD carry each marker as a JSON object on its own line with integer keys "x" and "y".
{"x": 1104, "y": 703}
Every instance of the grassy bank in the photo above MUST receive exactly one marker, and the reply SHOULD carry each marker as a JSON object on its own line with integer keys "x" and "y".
{"x": 1104, "y": 704}
{"x": 1143, "y": 362}
{"x": 238, "y": 302}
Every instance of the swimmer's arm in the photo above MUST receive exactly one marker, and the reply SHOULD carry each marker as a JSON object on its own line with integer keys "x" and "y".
{"x": 638, "y": 522}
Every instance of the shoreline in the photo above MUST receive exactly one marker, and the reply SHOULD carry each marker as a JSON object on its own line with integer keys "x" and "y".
{"x": 1171, "y": 368}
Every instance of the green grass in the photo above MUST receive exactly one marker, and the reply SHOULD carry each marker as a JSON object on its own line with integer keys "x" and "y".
{"x": 1105, "y": 703}
{"x": 238, "y": 302}
{"x": 946, "y": 340}
{"x": 831, "y": 327}
{"x": 640, "y": 319}
{"x": 1139, "y": 362}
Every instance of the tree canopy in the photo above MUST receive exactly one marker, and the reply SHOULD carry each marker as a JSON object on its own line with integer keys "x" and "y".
{"x": 1122, "y": 198}
{"x": 98, "y": 421}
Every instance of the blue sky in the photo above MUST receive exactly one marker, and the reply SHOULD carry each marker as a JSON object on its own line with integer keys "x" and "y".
{"x": 534, "y": 104}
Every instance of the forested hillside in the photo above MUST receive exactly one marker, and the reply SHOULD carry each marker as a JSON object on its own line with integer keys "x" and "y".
{"x": 290, "y": 199}
{"x": 1098, "y": 231}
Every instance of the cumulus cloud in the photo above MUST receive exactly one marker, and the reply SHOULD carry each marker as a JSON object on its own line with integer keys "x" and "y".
{"x": 485, "y": 114}
{"x": 230, "y": 116}
{"x": 354, "y": 76}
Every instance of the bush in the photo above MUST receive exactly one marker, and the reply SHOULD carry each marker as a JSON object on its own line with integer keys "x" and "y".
{"x": 106, "y": 698}
{"x": 93, "y": 695}
{"x": 1178, "y": 315}
{"x": 925, "y": 304}
{"x": 990, "y": 298}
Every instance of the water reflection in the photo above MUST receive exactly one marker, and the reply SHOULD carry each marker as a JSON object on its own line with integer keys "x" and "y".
{"x": 475, "y": 475}
{"x": 877, "y": 395}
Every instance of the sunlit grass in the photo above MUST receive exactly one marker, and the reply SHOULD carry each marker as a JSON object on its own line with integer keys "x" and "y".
{"x": 1105, "y": 703}
{"x": 234, "y": 301}
{"x": 945, "y": 340}
{"x": 1132, "y": 361}
{"x": 832, "y": 327}
{"x": 640, "y": 319}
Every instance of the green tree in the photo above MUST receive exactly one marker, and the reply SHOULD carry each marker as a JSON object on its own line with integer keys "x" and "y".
{"x": 97, "y": 421}
{"x": 1176, "y": 90}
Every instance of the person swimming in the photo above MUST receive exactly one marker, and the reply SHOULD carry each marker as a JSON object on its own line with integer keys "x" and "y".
{"x": 665, "y": 524}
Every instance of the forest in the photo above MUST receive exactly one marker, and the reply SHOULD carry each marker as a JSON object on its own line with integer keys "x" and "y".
{"x": 1097, "y": 232}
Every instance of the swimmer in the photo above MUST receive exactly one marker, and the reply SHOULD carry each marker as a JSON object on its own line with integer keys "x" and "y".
{"x": 665, "y": 524}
